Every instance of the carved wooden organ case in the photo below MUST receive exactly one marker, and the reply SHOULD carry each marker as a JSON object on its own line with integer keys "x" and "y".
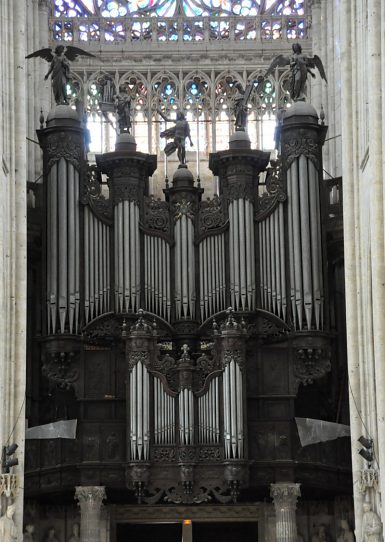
{"x": 206, "y": 392}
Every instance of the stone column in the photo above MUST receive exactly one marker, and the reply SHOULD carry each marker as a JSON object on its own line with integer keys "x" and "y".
{"x": 285, "y": 496}
{"x": 90, "y": 501}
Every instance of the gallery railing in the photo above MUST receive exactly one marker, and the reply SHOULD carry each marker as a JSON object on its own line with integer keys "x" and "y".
{"x": 179, "y": 29}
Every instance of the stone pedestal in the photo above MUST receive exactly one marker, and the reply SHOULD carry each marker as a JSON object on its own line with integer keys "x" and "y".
{"x": 285, "y": 497}
{"x": 90, "y": 501}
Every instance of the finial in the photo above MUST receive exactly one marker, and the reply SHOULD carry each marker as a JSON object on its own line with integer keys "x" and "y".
{"x": 141, "y": 324}
{"x": 124, "y": 328}
{"x": 215, "y": 327}
{"x": 322, "y": 115}
{"x": 230, "y": 322}
{"x": 41, "y": 119}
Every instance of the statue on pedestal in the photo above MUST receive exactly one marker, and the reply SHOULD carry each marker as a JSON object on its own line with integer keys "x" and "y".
{"x": 179, "y": 133}
{"x": 371, "y": 525}
{"x": 59, "y": 68}
{"x": 300, "y": 65}
{"x": 8, "y": 531}
{"x": 122, "y": 102}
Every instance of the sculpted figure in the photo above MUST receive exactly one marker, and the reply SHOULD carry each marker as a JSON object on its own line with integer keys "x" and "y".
{"x": 122, "y": 103}
{"x": 8, "y": 531}
{"x": 75, "y": 536}
{"x": 371, "y": 525}
{"x": 51, "y": 535}
{"x": 59, "y": 68}
{"x": 345, "y": 534}
{"x": 178, "y": 133}
{"x": 321, "y": 535}
{"x": 300, "y": 65}
{"x": 28, "y": 533}
{"x": 240, "y": 99}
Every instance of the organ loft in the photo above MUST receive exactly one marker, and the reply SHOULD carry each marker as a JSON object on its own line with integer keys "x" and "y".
{"x": 186, "y": 345}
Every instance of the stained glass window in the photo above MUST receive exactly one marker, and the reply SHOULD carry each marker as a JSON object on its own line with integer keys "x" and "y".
{"x": 169, "y": 8}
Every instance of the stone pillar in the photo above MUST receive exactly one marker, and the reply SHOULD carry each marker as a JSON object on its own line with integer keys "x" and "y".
{"x": 285, "y": 496}
{"x": 90, "y": 501}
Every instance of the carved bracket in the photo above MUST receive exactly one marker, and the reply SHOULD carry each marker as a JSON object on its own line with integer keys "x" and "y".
{"x": 275, "y": 192}
{"x": 311, "y": 364}
{"x": 91, "y": 194}
{"x": 61, "y": 369}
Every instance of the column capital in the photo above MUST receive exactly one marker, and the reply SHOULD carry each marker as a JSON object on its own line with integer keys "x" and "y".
{"x": 285, "y": 494}
{"x": 90, "y": 494}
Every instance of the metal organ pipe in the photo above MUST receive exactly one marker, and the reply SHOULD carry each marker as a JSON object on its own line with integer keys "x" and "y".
{"x": 139, "y": 412}
{"x": 184, "y": 268}
{"x": 186, "y": 417}
{"x": 233, "y": 410}
{"x": 211, "y": 275}
{"x": 157, "y": 275}
{"x": 96, "y": 266}
{"x": 164, "y": 414}
{"x": 242, "y": 254}
{"x": 63, "y": 248}
{"x": 305, "y": 256}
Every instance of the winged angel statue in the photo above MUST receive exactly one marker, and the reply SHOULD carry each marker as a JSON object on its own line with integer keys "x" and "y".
{"x": 59, "y": 68}
{"x": 300, "y": 66}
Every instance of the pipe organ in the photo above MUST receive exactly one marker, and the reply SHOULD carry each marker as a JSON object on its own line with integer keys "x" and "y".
{"x": 139, "y": 288}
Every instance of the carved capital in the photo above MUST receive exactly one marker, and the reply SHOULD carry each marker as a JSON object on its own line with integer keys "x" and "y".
{"x": 90, "y": 497}
{"x": 285, "y": 494}
{"x": 305, "y": 146}
{"x": 65, "y": 145}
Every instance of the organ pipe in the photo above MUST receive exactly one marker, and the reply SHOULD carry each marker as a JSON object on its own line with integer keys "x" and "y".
{"x": 139, "y": 412}
{"x": 233, "y": 410}
{"x": 211, "y": 275}
{"x": 157, "y": 276}
{"x": 242, "y": 254}
{"x": 63, "y": 248}
{"x": 96, "y": 266}
{"x": 164, "y": 415}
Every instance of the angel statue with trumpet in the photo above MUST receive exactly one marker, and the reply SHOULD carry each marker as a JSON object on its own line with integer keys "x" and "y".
{"x": 300, "y": 66}
{"x": 59, "y": 68}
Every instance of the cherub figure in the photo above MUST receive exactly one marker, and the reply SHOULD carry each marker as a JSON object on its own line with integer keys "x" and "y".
{"x": 300, "y": 65}
{"x": 179, "y": 133}
{"x": 59, "y": 68}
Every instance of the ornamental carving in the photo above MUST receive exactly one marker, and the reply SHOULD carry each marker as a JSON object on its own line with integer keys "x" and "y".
{"x": 233, "y": 355}
{"x": 241, "y": 189}
{"x": 275, "y": 192}
{"x": 125, "y": 190}
{"x": 305, "y": 146}
{"x": 156, "y": 215}
{"x": 137, "y": 357}
{"x": 91, "y": 194}
{"x": 65, "y": 145}
{"x": 90, "y": 497}
{"x": 163, "y": 454}
{"x": 183, "y": 207}
{"x": 368, "y": 480}
{"x": 311, "y": 364}
{"x": 60, "y": 369}
{"x": 210, "y": 454}
{"x": 285, "y": 495}
{"x": 211, "y": 214}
